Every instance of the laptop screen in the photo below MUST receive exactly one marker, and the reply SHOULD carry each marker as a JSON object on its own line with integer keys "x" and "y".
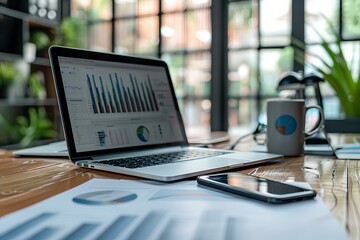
{"x": 118, "y": 104}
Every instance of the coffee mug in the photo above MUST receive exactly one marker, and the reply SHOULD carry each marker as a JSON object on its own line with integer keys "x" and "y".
{"x": 286, "y": 126}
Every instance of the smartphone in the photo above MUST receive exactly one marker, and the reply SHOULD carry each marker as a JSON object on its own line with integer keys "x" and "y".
{"x": 256, "y": 187}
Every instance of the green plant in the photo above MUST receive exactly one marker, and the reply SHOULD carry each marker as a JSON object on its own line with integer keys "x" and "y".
{"x": 40, "y": 39}
{"x": 36, "y": 86}
{"x": 337, "y": 72}
{"x": 73, "y": 32}
{"x": 8, "y": 73}
{"x": 27, "y": 130}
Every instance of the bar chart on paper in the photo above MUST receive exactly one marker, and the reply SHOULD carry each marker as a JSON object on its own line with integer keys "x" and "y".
{"x": 122, "y": 209}
{"x": 116, "y": 94}
{"x": 155, "y": 224}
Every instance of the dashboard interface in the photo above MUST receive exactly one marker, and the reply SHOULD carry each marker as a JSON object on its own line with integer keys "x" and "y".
{"x": 113, "y": 104}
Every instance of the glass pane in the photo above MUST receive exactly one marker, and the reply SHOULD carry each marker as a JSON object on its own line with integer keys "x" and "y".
{"x": 176, "y": 67}
{"x": 242, "y": 73}
{"x": 316, "y": 13}
{"x": 137, "y": 36}
{"x": 125, "y": 32}
{"x": 242, "y": 112}
{"x": 332, "y": 108}
{"x": 172, "y": 5}
{"x": 275, "y": 22}
{"x": 92, "y": 9}
{"x": 198, "y": 29}
{"x": 198, "y": 75}
{"x": 196, "y": 114}
{"x": 351, "y": 18}
{"x": 147, "y": 39}
{"x": 135, "y": 8}
{"x": 273, "y": 63}
{"x": 172, "y": 32}
{"x": 100, "y": 37}
{"x": 198, "y": 3}
{"x": 242, "y": 24}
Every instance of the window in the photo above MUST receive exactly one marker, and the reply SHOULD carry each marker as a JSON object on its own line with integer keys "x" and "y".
{"x": 259, "y": 47}
{"x": 177, "y": 31}
{"x": 258, "y": 53}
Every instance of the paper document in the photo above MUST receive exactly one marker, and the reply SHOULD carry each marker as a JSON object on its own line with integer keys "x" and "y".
{"x": 348, "y": 151}
{"x": 122, "y": 209}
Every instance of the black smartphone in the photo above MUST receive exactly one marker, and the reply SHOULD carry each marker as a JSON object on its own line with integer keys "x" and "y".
{"x": 256, "y": 187}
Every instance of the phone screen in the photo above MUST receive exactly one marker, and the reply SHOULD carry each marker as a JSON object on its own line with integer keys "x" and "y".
{"x": 256, "y": 184}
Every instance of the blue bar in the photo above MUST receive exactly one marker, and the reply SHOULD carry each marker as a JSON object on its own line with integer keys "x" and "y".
{"x": 131, "y": 100}
{"x": 149, "y": 96}
{"x": 122, "y": 103}
{"x": 146, "y": 102}
{"x": 82, "y": 231}
{"x": 116, "y": 228}
{"x": 107, "y": 109}
{"x": 136, "y": 99}
{"x": 232, "y": 228}
{"x": 92, "y": 95}
{"x": 127, "y": 101}
{"x": 25, "y": 226}
{"x": 145, "y": 228}
{"x": 110, "y": 100}
{"x": 177, "y": 228}
{"x": 141, "y": 101}
{"x": 116, "y": 100}
{"x": 44, "y": 234}
{"x": 153, "y": 94}
{"x": 98, "y": 95}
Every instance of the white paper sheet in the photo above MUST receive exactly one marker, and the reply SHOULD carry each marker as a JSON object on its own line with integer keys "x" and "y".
{"x": 121, "y": 209}
{"x": 348, "y": 151}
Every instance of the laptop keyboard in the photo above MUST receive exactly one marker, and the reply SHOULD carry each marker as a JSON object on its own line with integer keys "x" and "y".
{"x": 157, "y": 159}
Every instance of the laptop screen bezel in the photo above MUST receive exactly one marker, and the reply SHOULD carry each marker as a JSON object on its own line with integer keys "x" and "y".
{"x": 57, "y": 51}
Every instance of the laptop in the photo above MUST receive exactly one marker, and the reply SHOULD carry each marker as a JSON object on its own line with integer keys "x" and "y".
{"x": 120, "y": 114}
{"x": 54, "y": 149}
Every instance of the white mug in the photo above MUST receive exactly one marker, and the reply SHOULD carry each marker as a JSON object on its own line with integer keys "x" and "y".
{"x": 286, "y": 126}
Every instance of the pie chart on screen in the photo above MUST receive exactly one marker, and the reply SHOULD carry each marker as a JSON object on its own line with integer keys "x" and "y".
{"x": 285, "y": 125}
{"x": 143, "y": 133}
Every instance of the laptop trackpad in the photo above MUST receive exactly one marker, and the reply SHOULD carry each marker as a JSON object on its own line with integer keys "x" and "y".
{"x": 186, "y": 167}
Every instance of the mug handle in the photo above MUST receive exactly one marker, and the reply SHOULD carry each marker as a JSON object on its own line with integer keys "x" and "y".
{"x": 320, "y": 123}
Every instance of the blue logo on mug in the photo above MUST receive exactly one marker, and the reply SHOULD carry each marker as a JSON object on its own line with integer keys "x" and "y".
{"x": 285, "y": 125}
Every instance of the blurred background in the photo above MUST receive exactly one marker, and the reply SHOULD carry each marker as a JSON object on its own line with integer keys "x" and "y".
{"x": 225, "y": 57}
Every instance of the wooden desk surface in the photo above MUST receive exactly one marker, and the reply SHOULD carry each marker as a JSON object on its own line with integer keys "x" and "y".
{"x": 25, "y": 181}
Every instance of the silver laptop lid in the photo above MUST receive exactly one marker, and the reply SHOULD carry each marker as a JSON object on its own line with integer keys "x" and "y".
{"x": 113, "y": 103}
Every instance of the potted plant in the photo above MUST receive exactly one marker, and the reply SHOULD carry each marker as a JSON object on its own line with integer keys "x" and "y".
{"x": 28, "y": 130}
{"x": 8, "y": 75}
{"x": 41, "y": 41}
{"x": 72, "y": 33}
{"x": 338, "y": 72}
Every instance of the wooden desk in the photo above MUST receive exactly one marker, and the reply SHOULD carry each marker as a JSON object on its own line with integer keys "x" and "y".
{"x": 25, "y": 181}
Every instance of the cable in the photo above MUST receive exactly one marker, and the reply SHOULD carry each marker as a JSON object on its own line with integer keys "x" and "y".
{"x": 260, "y": 128}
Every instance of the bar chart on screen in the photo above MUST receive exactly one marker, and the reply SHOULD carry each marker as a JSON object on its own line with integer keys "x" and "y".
{"x": 116, "y": 93}
{"x": 112, "y": 136}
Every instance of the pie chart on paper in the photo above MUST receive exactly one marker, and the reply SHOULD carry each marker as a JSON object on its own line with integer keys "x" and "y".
{"x": 285, "y": 125}
{"x": 106, "y": 197}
